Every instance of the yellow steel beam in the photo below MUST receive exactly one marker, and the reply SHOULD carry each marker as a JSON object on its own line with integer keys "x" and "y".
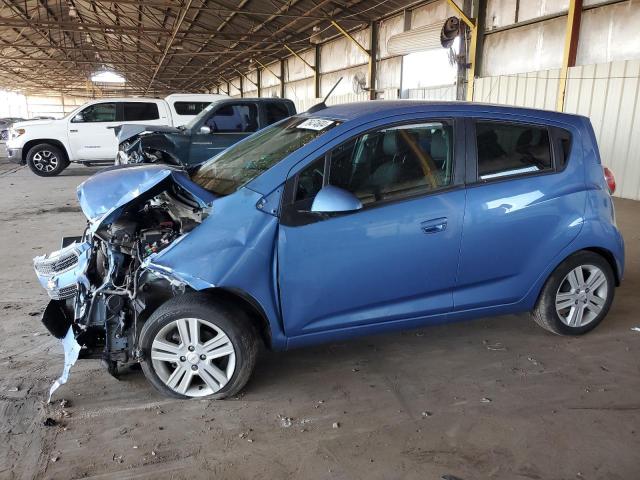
{"x": 462, "y": 15}
{"x": 350, "y": 37}
{"x": 473, "y": 26}
{"x": 268, "y": 69}
{"x": 247, "y": 78}
{"x": 570, "y": 47}
{"x": 299, "y": 57}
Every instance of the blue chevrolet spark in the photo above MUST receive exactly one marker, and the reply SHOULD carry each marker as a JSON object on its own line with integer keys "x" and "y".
{"x": 345, "y": 221}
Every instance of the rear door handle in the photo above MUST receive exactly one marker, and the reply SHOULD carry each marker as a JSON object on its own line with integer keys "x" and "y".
{"x": 435, "y": 225}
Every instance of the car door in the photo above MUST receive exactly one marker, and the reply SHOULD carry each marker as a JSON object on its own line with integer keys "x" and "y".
{"x": 227, "y": 124}
{"x": 525, "y": 203}
{"x": 91, "y": 134}
{"x": 393, "y": 260}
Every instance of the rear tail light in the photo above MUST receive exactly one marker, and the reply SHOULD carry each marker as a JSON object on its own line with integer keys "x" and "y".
{"x": 611, "y": 180}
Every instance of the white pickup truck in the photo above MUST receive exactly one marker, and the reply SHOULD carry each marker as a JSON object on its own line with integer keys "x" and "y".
{"x": 86, "y": 134}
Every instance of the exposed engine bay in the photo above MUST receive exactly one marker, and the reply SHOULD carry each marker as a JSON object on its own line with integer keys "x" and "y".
{"x": 100, "y": 284}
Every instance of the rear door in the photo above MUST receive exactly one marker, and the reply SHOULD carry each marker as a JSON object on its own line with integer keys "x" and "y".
{"x": 228, "y": 124}
{"x": 396, "y": 258}
{"x": 525, "y": 203}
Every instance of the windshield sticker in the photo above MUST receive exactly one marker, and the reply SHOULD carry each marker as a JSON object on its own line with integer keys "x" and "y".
{"x": 315, "y": 124}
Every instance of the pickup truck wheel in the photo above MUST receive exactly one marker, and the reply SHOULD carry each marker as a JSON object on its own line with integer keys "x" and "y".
{"x": 577, "y": 295}
{"x": 196, "y": 347}
{"x": 46, "y": 160}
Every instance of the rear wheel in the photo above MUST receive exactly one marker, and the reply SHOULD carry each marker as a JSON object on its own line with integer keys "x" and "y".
{"x": 195, "y": 347}
{"x": 577, "y": 295}
{"x": 46, "y": 160}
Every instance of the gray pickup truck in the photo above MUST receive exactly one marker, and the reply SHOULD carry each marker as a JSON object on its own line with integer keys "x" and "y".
{"x": 221, "y": 124}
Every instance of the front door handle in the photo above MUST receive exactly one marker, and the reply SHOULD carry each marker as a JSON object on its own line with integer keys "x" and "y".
{"x": 435, "y": 225}
{"x": 73, "y": 131}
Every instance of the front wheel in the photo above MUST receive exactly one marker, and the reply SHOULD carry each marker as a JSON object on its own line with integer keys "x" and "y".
{"x": 195, "y": 347}
{"x": 577, "y": 295}
{"x": 46, "y": 160}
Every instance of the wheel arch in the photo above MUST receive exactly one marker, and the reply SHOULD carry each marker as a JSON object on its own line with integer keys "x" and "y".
{"x": 32, "y": 143}
{"x": 536, "y": 291}
{"x": 248, "y": 304}
{"x": 608, "y": 256}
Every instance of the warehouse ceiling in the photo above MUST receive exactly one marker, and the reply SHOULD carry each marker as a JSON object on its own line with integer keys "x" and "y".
{"x": 160, "y": 46}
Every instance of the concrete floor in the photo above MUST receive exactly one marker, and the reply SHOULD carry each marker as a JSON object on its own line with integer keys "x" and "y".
{"x": 506, "y": 400}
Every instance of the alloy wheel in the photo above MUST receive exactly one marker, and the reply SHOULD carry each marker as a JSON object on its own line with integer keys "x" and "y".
{"x": 193, "y": 357}
{"x": 581, "y": 296}
{"x": 45, "y": 160}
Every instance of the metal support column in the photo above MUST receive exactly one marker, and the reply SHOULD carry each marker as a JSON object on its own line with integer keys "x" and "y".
{"x": 571, "y": 38}
{"x": 316, "y": 72}
{"x": 282, "y": 77}
{"x": 259, "y": 81}
{"x": 373, "y": 54}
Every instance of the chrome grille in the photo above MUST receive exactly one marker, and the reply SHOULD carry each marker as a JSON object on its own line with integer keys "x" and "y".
{"x": 64, "y": 292}
{"x": 49, "y": 266}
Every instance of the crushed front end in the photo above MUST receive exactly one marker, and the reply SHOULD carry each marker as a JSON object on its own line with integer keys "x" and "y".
{"x": 98, "y": 284}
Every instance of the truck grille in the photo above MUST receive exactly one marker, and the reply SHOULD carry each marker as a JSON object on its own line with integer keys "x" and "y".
{"x": 49, "y": 266}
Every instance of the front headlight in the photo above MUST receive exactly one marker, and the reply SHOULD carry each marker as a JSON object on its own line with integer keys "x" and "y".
{"x": 15, "y": 133}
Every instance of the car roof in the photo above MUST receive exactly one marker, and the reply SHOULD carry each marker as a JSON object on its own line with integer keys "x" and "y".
{"x": 383, "y": 108}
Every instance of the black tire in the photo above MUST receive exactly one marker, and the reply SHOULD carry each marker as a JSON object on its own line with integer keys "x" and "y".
{"x": 545, "y": 313}
{"x": 41, "y": 158}
{"x": 232, "y": 321}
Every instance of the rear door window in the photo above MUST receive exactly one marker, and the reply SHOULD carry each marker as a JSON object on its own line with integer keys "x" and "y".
{"x": 509, "y": 149}
{"x": 232, "y": 118}
{"x": 189, "y": 108}
{"x": 136, "y": 111}
{"x": 276, "y": 111}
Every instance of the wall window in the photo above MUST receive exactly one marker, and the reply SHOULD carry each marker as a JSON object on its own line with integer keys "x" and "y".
{"x": 189, "y": 108}
{"x": 233, "y": 119}
{"x": 135, "y": 111}
{"x": 506, "y": 149}
{"x": 387, "y": 164}
{"x": 100, "y": 112}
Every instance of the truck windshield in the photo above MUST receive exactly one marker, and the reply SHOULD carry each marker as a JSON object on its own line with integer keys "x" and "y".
{"x": 241, "y": 163}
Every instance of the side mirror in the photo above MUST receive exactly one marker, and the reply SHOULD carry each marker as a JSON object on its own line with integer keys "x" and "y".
{"x": 333, "y": 199}
{"x": 205, "y": 130}
{"x": 78, "y": 118}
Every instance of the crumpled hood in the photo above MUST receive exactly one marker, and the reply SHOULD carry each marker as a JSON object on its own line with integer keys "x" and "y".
{"x": 126, "y": 132}
{"x": 106, "y": 192}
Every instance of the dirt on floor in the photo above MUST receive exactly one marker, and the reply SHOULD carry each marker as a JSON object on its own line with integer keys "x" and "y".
{"x": 498, "y": 398}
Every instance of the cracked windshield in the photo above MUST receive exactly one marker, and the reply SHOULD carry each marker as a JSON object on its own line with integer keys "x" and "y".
{"x": 234, "y": 167}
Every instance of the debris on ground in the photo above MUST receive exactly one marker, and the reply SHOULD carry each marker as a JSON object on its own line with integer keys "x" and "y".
{"x": 496, "y": 347}
{"x": 635, "y": 329}
{"x": 533, "y": 360}
{"x": 49, "y": 422}
{"x": 336, "y": 425}
{"x": 118, "y": 458}
{"x": 485, "y": 400}
{"x": 426, "y": 414}
{"x": 54, "y": 459}
{"x": 450, "y": 477}
{"x": 13, "y": 389}
{"x": 65, "y": 403}
{"x": 285, "y": 422}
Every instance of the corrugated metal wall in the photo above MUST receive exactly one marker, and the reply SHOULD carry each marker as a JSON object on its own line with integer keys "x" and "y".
{"x": 607, "y": 93}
